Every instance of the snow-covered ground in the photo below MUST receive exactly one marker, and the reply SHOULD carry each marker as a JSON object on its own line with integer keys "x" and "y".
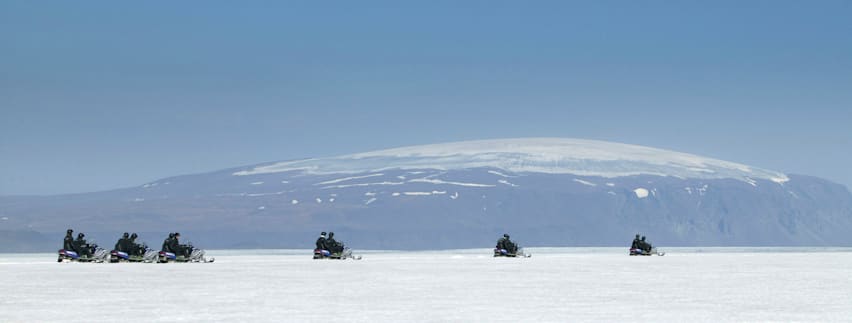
{"x": 555, "y": 285}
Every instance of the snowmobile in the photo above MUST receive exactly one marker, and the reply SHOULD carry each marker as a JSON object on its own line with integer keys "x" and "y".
{"x": 98, "y": 254}
{"x": 195, "y": 255}
{"x": 640, "y": 252}
{"x": 325, "y": 254}
{"x": 499, "y": 252}
{"x": 150, "y": 255}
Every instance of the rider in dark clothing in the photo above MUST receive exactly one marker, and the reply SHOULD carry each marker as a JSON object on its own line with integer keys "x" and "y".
{"x": 177, "y": 248}
{"x": 167, "y": 243}
{"x": 68, "y": 243}
{"x": 645, "y": 246}
{"x": 83, "y": 247}
{"x": 332, "y": 244}
{"x": 506, "y": 243}
{"x": 321, "y": 242}
{"x": 135, "y": 248}
{"x": 123, "y": 243}
{"x": 635, "y": 244}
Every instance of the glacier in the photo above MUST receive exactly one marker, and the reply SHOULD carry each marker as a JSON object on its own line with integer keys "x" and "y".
{"x": 537, "y": 155}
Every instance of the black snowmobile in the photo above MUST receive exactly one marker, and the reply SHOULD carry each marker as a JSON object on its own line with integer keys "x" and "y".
{"x": 326, "y": 254}
{"x": 640, "y": 252}
{"x": 147, "y": 255}
{"x": 500, "y": 252}
{"x": 97, "y": 254}
{"x": 195, "y": 255}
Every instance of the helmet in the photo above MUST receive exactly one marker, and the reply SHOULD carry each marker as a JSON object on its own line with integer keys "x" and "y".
{"x": 171, "y": 235}
{"x": 69, "y": 231}
{"x": 637, "y": 236}
{"x": 643, "y": 238}
{"x": 80, "y": 235}
{"x": 133, "y": 236}
{"x": 330, "y": 234}
{"x": 125, "y": 235}
{"x": 322, "y": 234}
{"x": 177, "y": 234}
{"x": 506, "y": 235}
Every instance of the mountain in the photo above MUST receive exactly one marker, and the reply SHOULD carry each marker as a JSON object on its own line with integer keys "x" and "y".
{"x": 543, "y": 191}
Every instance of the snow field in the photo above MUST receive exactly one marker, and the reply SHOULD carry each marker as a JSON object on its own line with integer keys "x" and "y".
{"x": 555, "y": 285}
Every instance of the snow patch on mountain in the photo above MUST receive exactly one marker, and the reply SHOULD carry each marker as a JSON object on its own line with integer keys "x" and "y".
{"x": 499, "y": 174}
{"x": 334, "y": 181}
{"x": 417, "y": 193}
{"x": 585, "y": 182}
{"x": 641, "y": 193}
{"x": 505, "y": 182}
{"x": 751, "y": 181}
{"x": 361, "y": 185}
{"x": 438, "y": 181}
{"x": 262, "y": 194}
{"x": 530, "y": 155}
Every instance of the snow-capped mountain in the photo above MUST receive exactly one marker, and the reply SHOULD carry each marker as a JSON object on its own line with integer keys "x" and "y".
{"x": 530, "y": 155}
{"x": 544, "y": 191}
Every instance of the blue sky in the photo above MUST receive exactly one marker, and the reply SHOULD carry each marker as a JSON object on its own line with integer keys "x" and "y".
{"x": 102, "y": 94}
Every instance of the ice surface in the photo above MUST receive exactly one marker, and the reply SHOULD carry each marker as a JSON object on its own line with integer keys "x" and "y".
{"x": 555, "y": 285}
